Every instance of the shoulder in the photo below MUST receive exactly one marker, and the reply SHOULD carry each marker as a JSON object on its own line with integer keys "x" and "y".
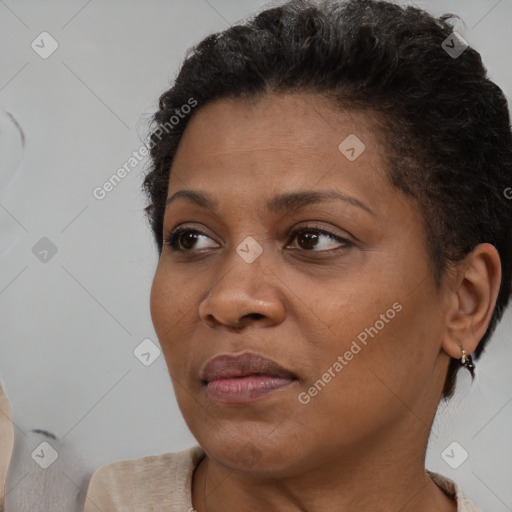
{"x": 452, "y": 489}
{"x": 144, "y": 484}
{"x": 6, "y": 437}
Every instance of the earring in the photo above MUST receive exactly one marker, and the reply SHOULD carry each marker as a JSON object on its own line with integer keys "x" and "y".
{"x": 467, "y": 361}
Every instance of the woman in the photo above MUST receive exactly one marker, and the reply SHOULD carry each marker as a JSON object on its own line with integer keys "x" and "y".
{"x": 327, "y": 193}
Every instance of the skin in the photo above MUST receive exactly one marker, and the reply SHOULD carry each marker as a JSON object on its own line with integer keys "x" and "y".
{"x": 360, "y": 443}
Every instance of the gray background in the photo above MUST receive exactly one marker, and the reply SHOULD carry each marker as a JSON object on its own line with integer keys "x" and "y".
{"x": 69, "y": 325}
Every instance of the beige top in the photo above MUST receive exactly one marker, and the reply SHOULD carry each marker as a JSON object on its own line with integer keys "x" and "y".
{"x": 163, "y": 483}
{"x": 6, "y": 439}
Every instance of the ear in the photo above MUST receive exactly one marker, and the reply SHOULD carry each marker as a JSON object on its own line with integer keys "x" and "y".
{"x": 473, "y": 295}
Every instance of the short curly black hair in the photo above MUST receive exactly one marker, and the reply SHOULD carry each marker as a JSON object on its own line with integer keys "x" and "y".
{"x": 445, "y": 124}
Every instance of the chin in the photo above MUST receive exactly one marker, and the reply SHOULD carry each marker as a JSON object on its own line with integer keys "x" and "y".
{"x": 253, "y": 454}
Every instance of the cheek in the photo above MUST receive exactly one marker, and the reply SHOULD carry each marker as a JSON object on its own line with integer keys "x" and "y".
{"x": 168, "y": 308}
{"x": 380, "y": 376}
{"x": 170, "y": 299}
{"x": 159, "y": 301}
{"x": 386, "y": 334}
{"x": 174, "y": 311}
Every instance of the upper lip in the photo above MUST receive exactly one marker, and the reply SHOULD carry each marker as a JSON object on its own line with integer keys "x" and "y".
{"x": 227, "y": 366}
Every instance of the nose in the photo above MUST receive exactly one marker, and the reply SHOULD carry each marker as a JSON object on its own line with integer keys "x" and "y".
{"x": 247, "y": 294}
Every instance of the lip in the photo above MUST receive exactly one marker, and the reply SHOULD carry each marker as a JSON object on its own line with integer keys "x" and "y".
{"x": 239, "y": 379}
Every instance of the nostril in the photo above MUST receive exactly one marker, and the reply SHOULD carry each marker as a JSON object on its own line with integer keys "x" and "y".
{"x": 255, "y": 316}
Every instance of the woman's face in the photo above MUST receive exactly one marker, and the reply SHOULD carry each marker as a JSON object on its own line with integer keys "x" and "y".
{"x": 334, "y": 287}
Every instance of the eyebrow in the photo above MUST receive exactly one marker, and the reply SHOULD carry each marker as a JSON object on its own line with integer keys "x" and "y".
{"x": 281, "y": 203}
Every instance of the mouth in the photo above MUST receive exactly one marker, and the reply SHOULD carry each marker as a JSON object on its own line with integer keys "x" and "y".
{"x": 241, "y": 379}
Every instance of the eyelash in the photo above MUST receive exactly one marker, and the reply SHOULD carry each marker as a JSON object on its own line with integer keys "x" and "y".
{"x": 172, "y": 240}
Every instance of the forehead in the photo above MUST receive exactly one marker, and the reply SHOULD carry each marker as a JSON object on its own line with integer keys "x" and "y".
{"x": 278, "y": 139}
{"x": 275, "y": 121}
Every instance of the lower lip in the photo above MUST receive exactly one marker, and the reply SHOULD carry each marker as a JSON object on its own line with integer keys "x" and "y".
{"x": 242, "y": 390}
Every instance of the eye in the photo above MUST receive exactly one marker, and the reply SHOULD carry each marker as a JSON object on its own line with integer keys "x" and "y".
{"x": 318, "y": 240}
{"x": 186, "y": 239}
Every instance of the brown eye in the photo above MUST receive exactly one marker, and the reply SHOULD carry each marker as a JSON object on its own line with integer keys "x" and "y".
{"x": 318, "y": 240}
{"x": 307, "y": 240}
{"x": 187, "y": 240}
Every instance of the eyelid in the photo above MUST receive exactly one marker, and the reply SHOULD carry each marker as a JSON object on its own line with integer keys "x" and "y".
{"x": 321, "y": 228}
